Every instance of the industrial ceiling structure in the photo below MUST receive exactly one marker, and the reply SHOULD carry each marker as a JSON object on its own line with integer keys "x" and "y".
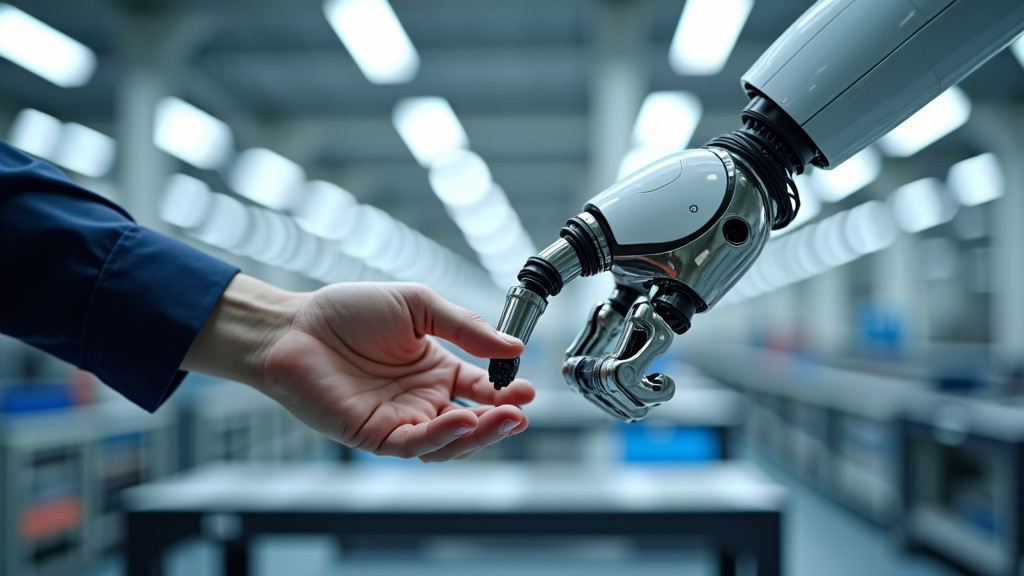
{"x": 547, "y": 91}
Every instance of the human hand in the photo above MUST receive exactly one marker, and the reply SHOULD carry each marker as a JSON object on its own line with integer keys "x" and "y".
{"x": 360, "y": 364}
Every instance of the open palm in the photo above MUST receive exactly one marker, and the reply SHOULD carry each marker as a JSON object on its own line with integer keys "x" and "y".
{"x": 361, "y": 365}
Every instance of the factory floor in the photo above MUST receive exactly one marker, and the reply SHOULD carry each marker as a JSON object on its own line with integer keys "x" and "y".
{"x": 820, "y": 538}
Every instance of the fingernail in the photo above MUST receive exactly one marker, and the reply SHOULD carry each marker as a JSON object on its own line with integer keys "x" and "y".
{"x": 461, "y": 430}
{"x": 507, "y": 426}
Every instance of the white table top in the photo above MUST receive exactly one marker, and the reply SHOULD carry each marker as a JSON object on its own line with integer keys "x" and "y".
{"x": 460, "y": 486}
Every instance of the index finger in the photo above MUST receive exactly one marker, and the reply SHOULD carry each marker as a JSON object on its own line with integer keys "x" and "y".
{"x": 439, "y": 317}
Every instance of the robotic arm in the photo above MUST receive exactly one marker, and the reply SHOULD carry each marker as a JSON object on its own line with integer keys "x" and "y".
{"x": 678, "y": 234}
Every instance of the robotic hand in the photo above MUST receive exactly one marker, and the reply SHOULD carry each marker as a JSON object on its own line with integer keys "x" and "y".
{"x": 675, "y": 236}
{"x": 679, "y": 233}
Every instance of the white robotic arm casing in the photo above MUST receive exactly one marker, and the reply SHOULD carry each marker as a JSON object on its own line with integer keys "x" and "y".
{"x": 645, "y": 208}
{"x": 846, "y": 92}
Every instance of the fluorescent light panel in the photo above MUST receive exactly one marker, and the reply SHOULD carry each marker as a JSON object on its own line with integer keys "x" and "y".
{"x": 276, "y": 231}
{"x": 510, "y": 233}
{"x": 43, "y": 50}
{"x": 819, "y": 247}
{"x": 806, "y": 255}
{"x": 976, "y": 180}
{"x": 327, "y": 210}
{"x": 460, "y": 177}
{"x": 706, "y": 34}
{"x": 857, "y": 172}
{"x": 429, "y": 127}
{"x": 374, "y": 37}
{"x": 186, "y": 201}
{"x": 190, "y": 134}
{"x": 483, "y": 217}
{"x": 227, "y": 223}
{"x": 667, "y": 119}
{"x": 830, "y": 240}
{"x": 373, "y": 236}
{"x": 505, "y": 264}
{"x": 35, "y": 132}
{"x": 403, "y": 253}
{"x": 664, "y": 126}
{"x": 304, "y": 253}
{"x": 266, "y": 177}
{"x": 918, "y": 205}
{"x": 947, "y": 112}
{"x": 72, "y": 146}
{"x": 84, "y": 150}
{"x": 869, "y": 227}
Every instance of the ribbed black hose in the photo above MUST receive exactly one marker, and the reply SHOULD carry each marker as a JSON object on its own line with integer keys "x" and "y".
{"x": 765, "y": 157}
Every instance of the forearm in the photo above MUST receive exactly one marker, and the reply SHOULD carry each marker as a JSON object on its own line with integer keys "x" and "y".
{"x": 249, "y": 317}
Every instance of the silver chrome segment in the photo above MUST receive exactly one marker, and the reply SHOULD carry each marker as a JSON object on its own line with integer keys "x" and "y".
{"x": 616, "y": 382}
{"x": 730, "y": 166}
{"x": 599, "y": 333}
{"x": 522, "y": 309}
{"x": 597, "y": 235}
{"x": 708, "y": 265}
{"x": 563, "y": 257}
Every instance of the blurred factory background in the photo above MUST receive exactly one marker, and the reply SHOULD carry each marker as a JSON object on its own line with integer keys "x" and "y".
{"x": 872, "y": 362}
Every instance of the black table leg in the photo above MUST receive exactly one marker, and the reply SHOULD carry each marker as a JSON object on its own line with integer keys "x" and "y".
{"x": 768, "y": 550}
{"x": 149, "y": 535}
{"x": 726, "y": 563}
{"x": 236, "y": 557}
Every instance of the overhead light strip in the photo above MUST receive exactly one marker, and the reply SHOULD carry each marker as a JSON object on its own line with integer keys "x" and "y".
{"x": 70, "y": 145}
{"x": 977, "y": 180}
{"x": 947, "y": 112}
{"x": 44, "y": 50}
{"x": 429, "y": 127}
{"x": 268, "y": 178}
{"x": 706, "y": 35}
{"x": 816, "y": 248}
{"x": 852, "y": 175}
{"x": 664, "y": 125}
{"x": 462, "y": 181}
{"x": 375, "y": 38}
{"x": 191, "y": 135}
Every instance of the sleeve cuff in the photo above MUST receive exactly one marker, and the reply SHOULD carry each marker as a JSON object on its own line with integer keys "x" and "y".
{"x": 151, "y": 299}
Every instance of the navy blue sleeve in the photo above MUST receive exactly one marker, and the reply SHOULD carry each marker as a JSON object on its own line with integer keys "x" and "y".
{"x": 82, "y": 281}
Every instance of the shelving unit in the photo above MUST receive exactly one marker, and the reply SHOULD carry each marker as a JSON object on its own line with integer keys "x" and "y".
{"x": 63, "y": 471}
{"x": 836, "y": 428}
{"x": 234, "y": 423}
{"x": 45, "y": 489}
{"x": 61, "y": 474}
{"x": 964, "y": 471}
{"x": 944, "y": 471}
{"x": 130, "y": 447}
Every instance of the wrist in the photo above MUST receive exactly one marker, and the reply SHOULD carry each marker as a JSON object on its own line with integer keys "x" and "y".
{"x": 249, "y": 318}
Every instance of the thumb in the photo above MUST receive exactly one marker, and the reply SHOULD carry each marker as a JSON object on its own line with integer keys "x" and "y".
{"x": 466, "y": 329}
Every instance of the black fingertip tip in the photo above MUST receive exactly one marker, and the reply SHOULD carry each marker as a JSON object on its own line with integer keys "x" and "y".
{"x": 502, "y": 371}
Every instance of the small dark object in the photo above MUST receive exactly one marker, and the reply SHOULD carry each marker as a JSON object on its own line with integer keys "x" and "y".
{"x": 502, "y": 371}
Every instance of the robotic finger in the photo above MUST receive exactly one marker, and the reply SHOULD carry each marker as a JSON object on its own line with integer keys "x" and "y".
{"x": 616, "y": 382}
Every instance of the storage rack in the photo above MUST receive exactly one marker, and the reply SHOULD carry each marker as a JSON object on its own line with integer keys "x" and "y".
{"x": 942, "y": 472}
